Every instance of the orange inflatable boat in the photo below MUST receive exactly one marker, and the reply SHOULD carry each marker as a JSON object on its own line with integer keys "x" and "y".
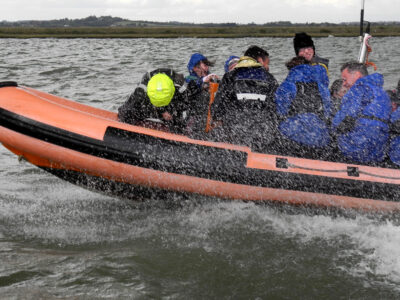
{"x": 90, "y": 147}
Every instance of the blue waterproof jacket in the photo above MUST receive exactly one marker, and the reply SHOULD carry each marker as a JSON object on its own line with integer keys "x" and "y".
{"x": 194, "y": 60}
{"x": 193, "y": 77}
{"x": 304, "y": 122}
{"x": 362, "y": 123}
{"x": 322, "y": 74}
{"x": 394, "y": 148}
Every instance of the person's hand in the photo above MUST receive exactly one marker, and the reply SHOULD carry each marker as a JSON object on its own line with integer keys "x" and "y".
{"x": 216, "y": 124}
{"x": 210, "y": 77}
{"x": 167, "y": 116}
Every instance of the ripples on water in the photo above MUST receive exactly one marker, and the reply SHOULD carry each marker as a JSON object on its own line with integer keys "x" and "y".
{"x": 58, "y": 240}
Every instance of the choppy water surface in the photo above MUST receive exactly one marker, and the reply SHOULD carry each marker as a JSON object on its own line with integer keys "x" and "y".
{"x": 60, "y": 241}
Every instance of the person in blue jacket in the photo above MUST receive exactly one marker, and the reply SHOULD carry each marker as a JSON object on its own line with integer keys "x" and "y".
{"x": 199, "y": 70}
{"x": 199, "y": 78}
{"x": 362, "y": 123}
{"x": 304, "y": 107}
{"x": 394, "y": 148}
{"x": 231, "y": 62}
{"x": 394, "y": 96}
{"x": 304, "y": 46}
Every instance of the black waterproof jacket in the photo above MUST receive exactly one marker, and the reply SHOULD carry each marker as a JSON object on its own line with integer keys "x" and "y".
{"x": 245, "y": 107}
{"x": 138, "y": 109}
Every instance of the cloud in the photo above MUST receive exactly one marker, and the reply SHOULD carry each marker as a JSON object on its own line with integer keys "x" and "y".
{"x": 202, "y": 11}
{"x": 335, "y": 3}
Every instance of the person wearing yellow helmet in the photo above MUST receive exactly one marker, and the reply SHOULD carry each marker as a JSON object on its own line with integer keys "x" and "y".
{"x": 160, "y": 90}
{"x": 161, "y": 101}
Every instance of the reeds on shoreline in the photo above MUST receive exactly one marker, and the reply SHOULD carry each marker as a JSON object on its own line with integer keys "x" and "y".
{"x": 191, "y": 32}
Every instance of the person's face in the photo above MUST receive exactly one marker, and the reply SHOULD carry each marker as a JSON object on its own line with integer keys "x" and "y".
{"x": 233, "y": 64}
{"x": 201, "y": 69}
{"x": 264, "y": 62}
{"x": 307, "y": 53}
{"x": 349, "y": 78}
{"x": 342, "y": 91}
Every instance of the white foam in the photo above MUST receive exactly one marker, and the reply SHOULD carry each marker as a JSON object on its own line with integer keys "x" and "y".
{"x": 53, "y": 216}
{"x": 372, "y": 246}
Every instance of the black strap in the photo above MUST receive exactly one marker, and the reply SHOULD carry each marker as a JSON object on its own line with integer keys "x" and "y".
{"x": 346, "y": 125}
{"x": 395, "y": 127}
{"x": 308, "y": 100}
{"x": 8, "y": 83}
{"x": 349, "y": 123}
{"x": 375, "y": 119}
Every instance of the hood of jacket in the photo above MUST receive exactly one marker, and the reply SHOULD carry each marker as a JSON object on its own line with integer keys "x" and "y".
{"x": 303, "y": 73}
{"x": 247, "y": 62}
{"x": 374, "y": 79}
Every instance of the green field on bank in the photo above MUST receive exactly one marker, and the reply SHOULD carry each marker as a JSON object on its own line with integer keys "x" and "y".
{"x": 195, "y": 32}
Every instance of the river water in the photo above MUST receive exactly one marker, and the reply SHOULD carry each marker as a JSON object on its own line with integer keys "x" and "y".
{"x": 60, "y": 241}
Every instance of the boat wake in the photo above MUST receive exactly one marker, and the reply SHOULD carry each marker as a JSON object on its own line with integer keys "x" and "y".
{"x": 358, "y": 246}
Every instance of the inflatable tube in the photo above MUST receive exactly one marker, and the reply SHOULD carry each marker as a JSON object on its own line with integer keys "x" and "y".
{"x": 90, "y": 147}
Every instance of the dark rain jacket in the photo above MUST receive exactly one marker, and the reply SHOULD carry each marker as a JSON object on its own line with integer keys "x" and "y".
{"x": 138, "y": 109}
{"x": 245, "y": 105}
{"x": 361, "y": 124}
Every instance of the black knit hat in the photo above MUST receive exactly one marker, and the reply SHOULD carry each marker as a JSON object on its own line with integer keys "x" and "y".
{"x": 302, "y": 40}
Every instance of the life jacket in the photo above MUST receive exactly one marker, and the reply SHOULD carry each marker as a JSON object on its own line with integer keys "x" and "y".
{"x": 308, "y": 100}
{"x": 316, "y": 60}
{"x": 394, "y": 148}
{"x": 303, "y": 106}
{"x": 361, "y": 124}
{"x": 350, "y": 122}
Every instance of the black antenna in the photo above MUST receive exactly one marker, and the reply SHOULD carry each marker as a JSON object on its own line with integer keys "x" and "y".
{"x": 362, "y": 18}
{"x": 368, "y": 29}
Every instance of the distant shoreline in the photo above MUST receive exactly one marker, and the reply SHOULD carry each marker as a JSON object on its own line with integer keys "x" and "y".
{"x": 192, "y": 32}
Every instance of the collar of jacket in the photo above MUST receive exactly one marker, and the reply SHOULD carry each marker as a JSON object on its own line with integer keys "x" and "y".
{"x": 246, "y": 62}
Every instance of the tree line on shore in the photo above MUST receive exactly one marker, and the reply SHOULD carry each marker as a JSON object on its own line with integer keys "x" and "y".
{"x": 106, "y": 21}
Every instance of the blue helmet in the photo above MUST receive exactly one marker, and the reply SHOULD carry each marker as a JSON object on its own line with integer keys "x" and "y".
{"x": 232, "y": 59}
{"x": 195, "y": 59}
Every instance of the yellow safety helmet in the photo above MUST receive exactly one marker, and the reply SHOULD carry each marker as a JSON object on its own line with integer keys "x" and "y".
{"x": 160, "y": 90}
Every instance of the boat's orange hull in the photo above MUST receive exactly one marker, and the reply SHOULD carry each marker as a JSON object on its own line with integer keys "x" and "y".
{"x": 31, "y": 119}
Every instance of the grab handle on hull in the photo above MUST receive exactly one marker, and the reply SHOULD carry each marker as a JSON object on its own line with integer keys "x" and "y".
{"x": 353, "y": 172}
{"x": 8, "y": 83}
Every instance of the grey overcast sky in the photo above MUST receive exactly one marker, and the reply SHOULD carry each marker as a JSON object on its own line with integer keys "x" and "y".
{"x": 203, "y": 11}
